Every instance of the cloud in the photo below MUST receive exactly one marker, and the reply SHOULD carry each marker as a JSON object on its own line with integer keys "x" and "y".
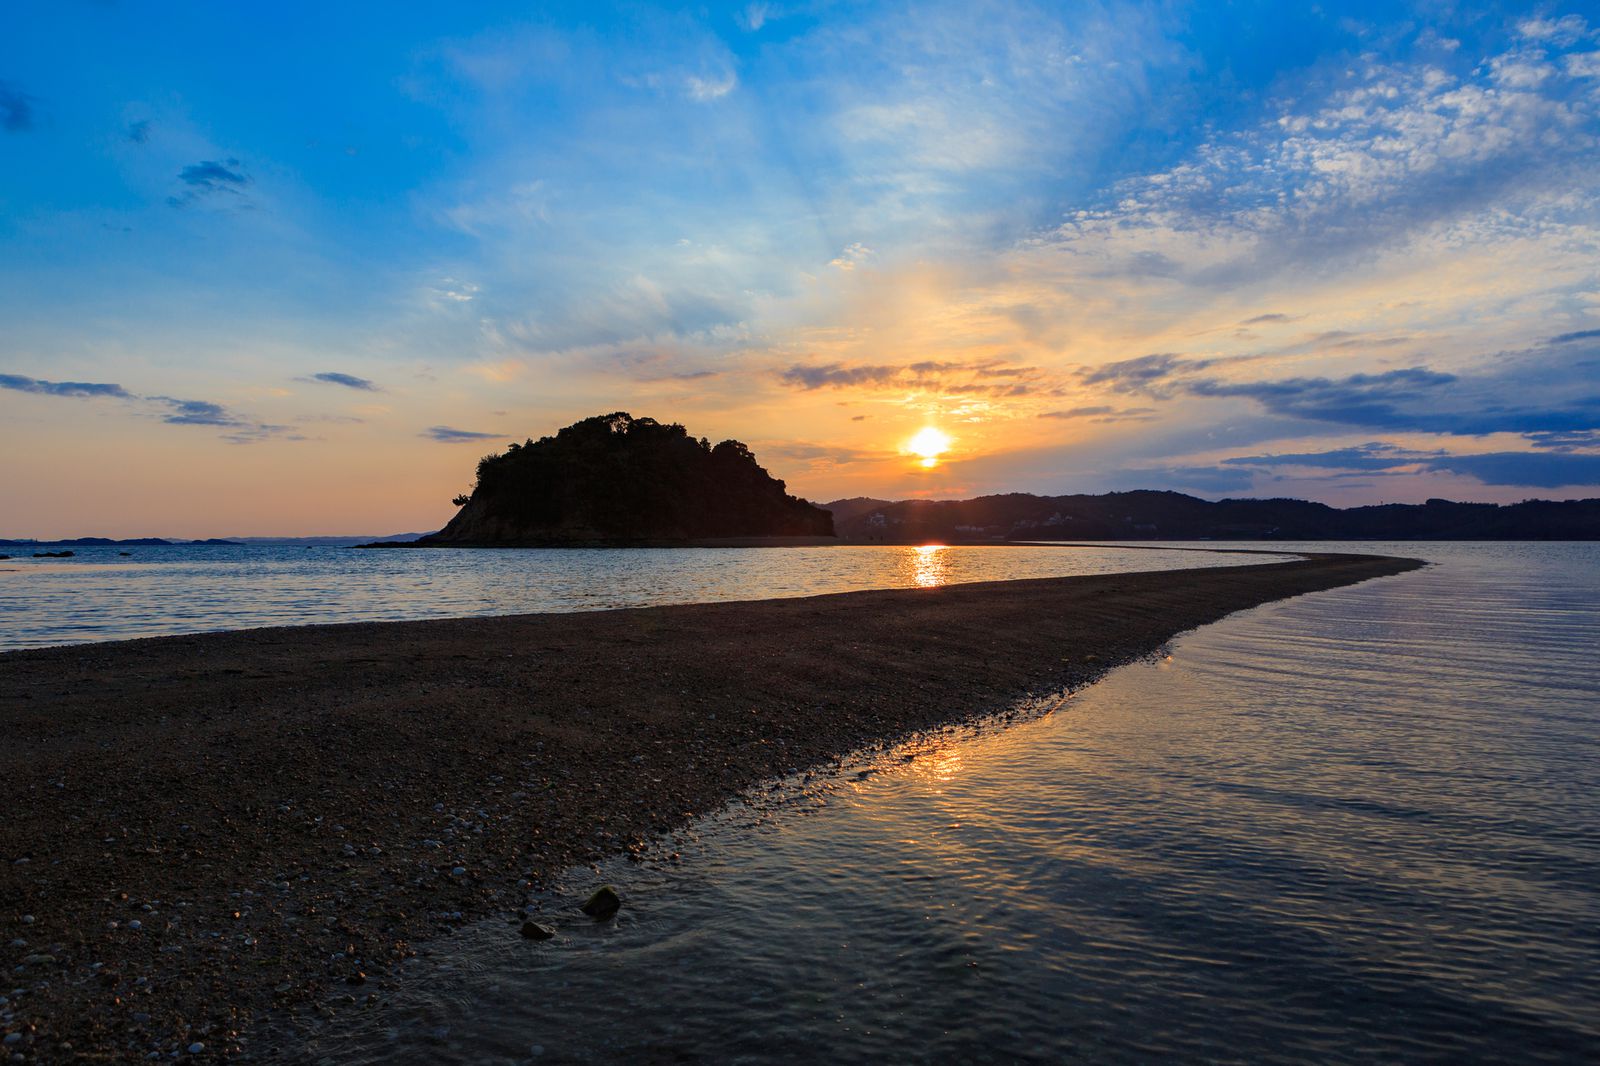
{"x": 1359, "y": 399}
{"x": 851, "y": 257}
{"x": 1580, "y": 335}
{"x": 1534, "y": 469}
{"x": 1103, "y": 413}
{"x": 715, "y": 87}
{"x": 928, "y": 375}
{"x": 1417, "y": 399}
{"x": 1143, "y": 373}
{"x": 1394, "y": 152}
{"x": 241, "y": 429}
{"x": 754, "y": 16}
{"x": 1545, "y": 470}
{"x": 210, "y": 178}
{"x": 447, "y": 435}
{"x": 1078, "y": 412}
{"x": 177, "y": 412}
{"x": 1561, "y": 31}
{"x": 139, "y": 132}
{"x": 836, "y": 375}
{"x": 1365, "y": 457}
{"x": 19, "y": 383}
{"x": 197, "y": 413}
{"x": 349, "y": 381}
{"x": 1259, "y": 319}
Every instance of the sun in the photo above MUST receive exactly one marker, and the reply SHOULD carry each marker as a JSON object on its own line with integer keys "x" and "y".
{"x": 929, "y": 443}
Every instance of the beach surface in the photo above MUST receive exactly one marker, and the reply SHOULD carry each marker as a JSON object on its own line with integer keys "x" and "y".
{"x": 202, "y": 829}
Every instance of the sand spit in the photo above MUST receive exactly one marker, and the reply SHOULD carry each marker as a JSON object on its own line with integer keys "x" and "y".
{"x": 199, "y": 829}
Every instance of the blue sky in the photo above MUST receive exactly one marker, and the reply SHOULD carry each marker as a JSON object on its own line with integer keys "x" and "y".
{"x": 293, "y": 268}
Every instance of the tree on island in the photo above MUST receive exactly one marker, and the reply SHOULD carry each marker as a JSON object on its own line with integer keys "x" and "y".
{"x": 616, "y": 479}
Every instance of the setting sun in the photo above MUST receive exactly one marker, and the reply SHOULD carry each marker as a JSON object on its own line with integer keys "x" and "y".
{"x": 929, "y": 443}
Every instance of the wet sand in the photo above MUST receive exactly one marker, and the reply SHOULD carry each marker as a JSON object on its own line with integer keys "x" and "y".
{"x": 202, "y": 829}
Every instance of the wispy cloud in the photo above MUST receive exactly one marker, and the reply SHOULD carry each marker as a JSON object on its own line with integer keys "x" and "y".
{"x": 704, "y": 89}
{"x": 754, "y": 16}
{"x": 1397, "y": 150}
{"x": 1143, "y": 373}
{"x": 447, "y": 435}
{"x": 1102, "y": 413}
{"x": 928, "y": 375}
{"x": 197, "y": 413}
{"x": 19, "y": 383}
{"x": 172, "y": 411}
{"x": 349, "y": 381}
{"x": 210, "y": 178}
{"x": 1537, "y": 469}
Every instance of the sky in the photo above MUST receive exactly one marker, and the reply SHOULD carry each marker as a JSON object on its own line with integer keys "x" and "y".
{"x": 293, "y": 268}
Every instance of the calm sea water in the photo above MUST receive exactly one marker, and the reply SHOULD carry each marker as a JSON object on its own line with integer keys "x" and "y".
{"x": 1358, "y": 826}
{"x": 101, "y": 595}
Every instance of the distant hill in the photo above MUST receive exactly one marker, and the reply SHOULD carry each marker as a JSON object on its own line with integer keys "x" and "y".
{"x": 615, "y": 479}
{"x": 325, "y": 541}
{"x": 107, "y": 542}
{"x": 1146, "y": 515}
{"x": 845, "y": 510}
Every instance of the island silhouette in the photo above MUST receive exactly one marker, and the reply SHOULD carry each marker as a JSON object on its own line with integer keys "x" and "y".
{"x": 616, "y": 480}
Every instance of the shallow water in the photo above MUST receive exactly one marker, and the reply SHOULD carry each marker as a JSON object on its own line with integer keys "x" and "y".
{"x": 155, "y": 591}
{"x": 1361, "y": 825}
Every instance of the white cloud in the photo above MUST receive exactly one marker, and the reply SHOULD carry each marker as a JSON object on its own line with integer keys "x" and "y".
{"x": 706, "y": 89}
{"x": 1582, "y": 64}
{"x": 1562, "y": 31}
{"x": 852, "y": 256}
{"x": 754, "y": 16}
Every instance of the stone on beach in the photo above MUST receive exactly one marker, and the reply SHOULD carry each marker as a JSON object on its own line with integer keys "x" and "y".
{"x": 535, "y": 931}
{"x": 603, "y": 903}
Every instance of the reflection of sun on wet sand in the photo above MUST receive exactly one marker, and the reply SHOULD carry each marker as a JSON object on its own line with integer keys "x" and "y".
{"x": 204, "y": 827}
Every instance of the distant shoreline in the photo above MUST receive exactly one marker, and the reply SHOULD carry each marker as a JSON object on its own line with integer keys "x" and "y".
{"x": 285, "y": 811}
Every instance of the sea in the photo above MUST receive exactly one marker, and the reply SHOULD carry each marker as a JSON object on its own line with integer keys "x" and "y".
{"x": 119, "y": 593}
{"x": 1361, "y": 825}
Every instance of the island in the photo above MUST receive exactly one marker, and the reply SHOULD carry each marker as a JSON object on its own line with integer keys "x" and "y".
{"x": 619, "y": 481}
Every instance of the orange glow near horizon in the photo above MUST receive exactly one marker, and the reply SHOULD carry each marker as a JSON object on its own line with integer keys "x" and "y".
{"x": 929, "y": 444}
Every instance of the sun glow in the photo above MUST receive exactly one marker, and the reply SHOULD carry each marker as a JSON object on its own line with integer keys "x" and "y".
{"x": 929, "y": 444}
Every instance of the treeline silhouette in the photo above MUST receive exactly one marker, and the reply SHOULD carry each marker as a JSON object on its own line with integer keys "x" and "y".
{"x": 1150, "y": 515}
{"x": 616, "y": 479}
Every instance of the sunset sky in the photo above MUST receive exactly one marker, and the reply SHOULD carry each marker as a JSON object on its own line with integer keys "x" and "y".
{"x": 292, "y": 268}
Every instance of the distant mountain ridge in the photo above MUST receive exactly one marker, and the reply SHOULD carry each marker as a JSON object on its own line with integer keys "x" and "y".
{"x": 178, "y": 542}
{"x": 107, "y": 542}
{"x": 1152, "y": 515}
{"x": 619, "y": 480}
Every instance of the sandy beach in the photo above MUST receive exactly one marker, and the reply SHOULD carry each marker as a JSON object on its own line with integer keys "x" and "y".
{"x": 201, "y": 829}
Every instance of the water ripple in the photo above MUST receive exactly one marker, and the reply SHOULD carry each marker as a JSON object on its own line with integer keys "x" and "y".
{"x": 1357, "y": 826}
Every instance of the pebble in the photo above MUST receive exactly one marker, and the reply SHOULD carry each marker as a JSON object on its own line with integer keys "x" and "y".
{"x": 603, "y": 903}
{"x": 535, "y": 931}
{"x": 196, "y": 1047}
{"x": 136, "y": 925}
{"x": 27, "y": 919}
{"x": 458, "y": 870}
